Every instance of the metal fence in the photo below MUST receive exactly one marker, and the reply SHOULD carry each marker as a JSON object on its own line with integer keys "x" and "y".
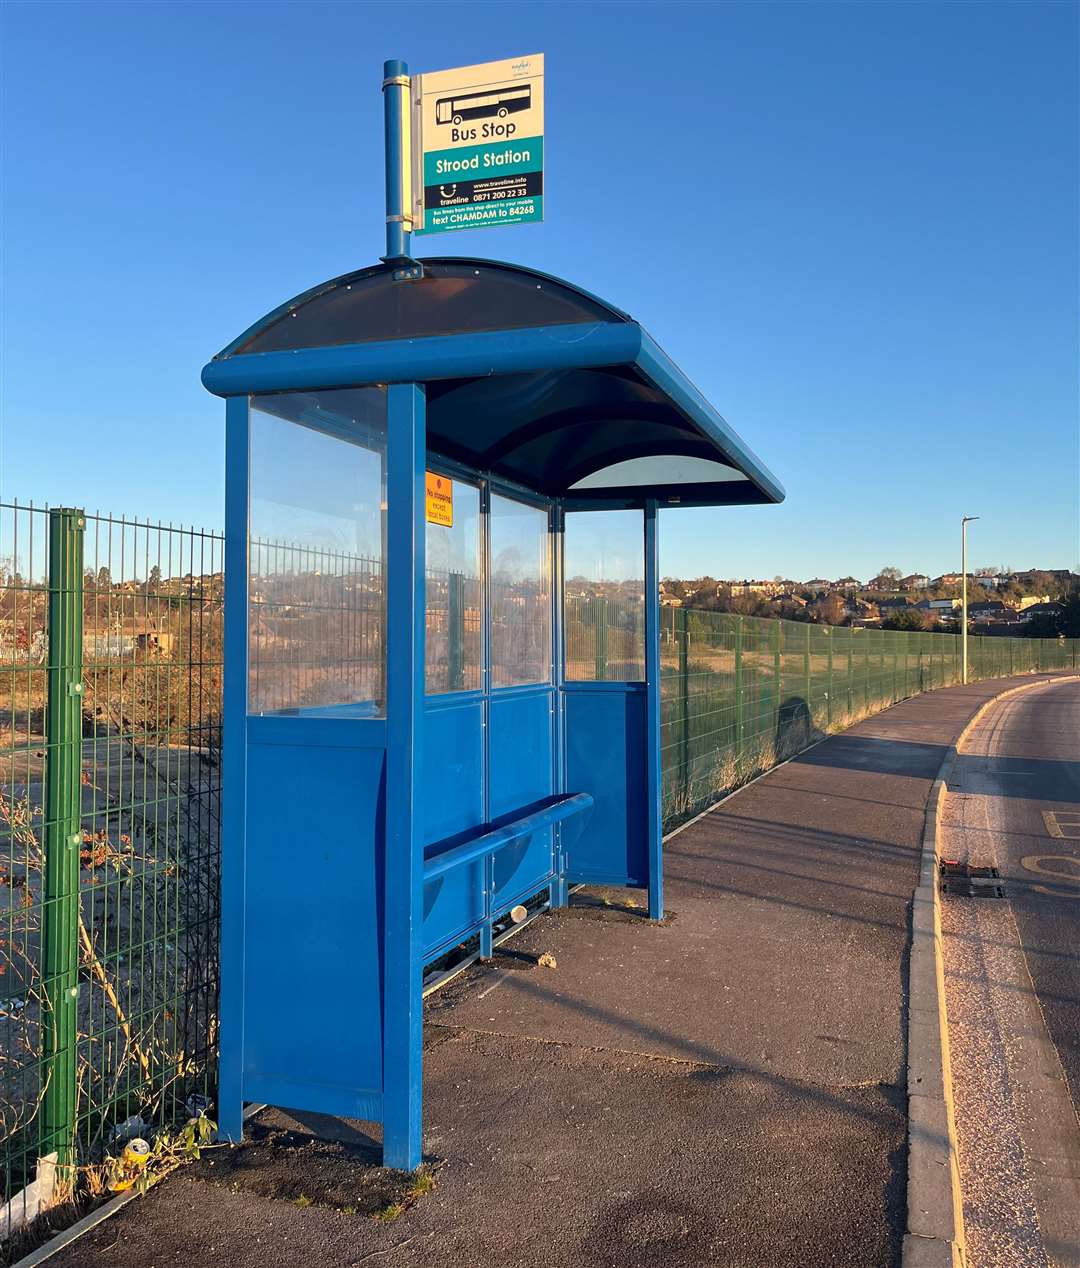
{"x": 741, "y": 693}
{"x": 110, "y": 687}
{"x": 110, "y": 692}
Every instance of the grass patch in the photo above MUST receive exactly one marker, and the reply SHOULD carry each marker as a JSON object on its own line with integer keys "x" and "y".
{"x": 387, "y": 1214}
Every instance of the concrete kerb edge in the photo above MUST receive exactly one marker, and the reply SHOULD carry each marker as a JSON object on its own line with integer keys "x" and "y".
{"x": 935, "y": 1214}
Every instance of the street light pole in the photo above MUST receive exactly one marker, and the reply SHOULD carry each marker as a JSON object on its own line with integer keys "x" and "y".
{"x": 963, "y": 603}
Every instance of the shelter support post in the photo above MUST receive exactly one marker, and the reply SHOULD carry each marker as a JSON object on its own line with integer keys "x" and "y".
{"x": 487, "y": 929}
{"x": 559, "y": 889}
{"x": 652, "y": 687}
{"x": 230, "y": 1112}
{"x": 404, "y": 867}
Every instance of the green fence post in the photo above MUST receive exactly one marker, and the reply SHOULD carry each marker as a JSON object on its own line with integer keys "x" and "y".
{"x": 684, "y": 685}
{"x": 881, "y": 670}
{"x": 850, "y": 674}
{"x": 601, "y": 638}
{"x": 62, "y": 835}
{"x": 808, "y": 687}
{"x": 739, "y": 706}
{"x": 828, "y": 696}
{"x": 775, "y": 634}
{"x": 455, "y": 633}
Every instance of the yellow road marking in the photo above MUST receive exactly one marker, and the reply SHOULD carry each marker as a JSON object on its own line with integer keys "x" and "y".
{"x": 1063, "y": 823}
{"x": 1037, "y": 863}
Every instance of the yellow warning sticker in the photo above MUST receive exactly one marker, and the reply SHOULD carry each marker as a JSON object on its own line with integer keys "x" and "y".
{"x": 440, "y": 500}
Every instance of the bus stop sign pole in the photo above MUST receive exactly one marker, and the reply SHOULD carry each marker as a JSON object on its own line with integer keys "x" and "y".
{"x": 397, "y": 110}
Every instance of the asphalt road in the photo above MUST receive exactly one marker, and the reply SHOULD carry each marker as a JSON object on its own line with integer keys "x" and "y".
{"x": 1013, "y": 979}
{"x": 1031, "y": 770}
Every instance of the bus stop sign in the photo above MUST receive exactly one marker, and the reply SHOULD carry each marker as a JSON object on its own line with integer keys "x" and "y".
{"x": 478, "y": 145}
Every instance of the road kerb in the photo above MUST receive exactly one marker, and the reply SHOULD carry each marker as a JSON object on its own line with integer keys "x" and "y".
{"x": 935, "y": 1215}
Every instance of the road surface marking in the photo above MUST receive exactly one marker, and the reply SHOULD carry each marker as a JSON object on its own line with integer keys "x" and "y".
{"x": 1038, "y": 863}
{"x": 1063, "y": 823}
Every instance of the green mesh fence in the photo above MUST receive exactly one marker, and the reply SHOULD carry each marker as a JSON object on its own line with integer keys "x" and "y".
{"x": 742, "y": 693}
{"x": 110, "y": 694}
{"x": 110, "y": 690}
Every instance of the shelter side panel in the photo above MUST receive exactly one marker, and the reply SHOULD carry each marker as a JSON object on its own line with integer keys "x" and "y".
{"x": 453, "y": 805}
{"x": 313, "y": 925}
{"x": 605, "y": 756}
{"x": 522, "y": 772}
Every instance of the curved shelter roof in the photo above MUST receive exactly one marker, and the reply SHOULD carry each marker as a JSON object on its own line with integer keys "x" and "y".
{"x": 527, "y": 377}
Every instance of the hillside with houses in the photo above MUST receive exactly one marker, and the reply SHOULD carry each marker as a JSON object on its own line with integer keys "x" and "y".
{"x": 1036, "y": 602}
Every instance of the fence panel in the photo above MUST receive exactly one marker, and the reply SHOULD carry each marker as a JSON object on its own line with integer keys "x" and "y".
{"x": 131, "y": 736}
{"x": 742, "y": 693}
{"x": 125, "y": 907}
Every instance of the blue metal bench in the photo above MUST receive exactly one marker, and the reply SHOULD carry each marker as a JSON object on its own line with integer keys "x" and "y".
{"x": 571, "y": 811}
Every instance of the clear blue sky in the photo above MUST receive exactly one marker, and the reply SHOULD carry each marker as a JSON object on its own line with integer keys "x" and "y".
{"x": 854, "y": 226}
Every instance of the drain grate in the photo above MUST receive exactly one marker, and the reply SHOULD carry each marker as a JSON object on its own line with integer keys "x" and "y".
{"x": 970, "y": 882}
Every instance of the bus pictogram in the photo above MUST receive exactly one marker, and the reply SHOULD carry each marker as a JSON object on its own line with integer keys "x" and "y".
{"x": 483, "y": 105}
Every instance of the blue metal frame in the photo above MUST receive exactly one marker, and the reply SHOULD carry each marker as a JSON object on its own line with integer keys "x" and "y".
{"x": 427, "y": 359}
{"x": 473, "y": 857}
{"x": 234, "y": 772}
{"x": 576, "y": 346}
{"x": 652, "y": 712}
{"x": 558, "y": 894}
{"x": 405, "y": 606}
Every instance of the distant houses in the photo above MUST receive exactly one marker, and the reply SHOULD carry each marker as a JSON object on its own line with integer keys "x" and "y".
{"x": 999, "y": 600}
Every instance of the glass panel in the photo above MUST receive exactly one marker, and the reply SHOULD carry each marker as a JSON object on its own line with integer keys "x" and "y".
{"x": 520, "y": 594}
{"x": 604, "y": 554}
{"x": 451, "y": 298}
{"x": 316, "y": 605}
{"x": 452, "y": 646}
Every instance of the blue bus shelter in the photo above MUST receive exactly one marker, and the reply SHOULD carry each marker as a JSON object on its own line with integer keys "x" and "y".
{"x": 442, "y": 692}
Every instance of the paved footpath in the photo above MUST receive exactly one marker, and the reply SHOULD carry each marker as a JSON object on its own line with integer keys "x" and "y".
{"x": 725, "y": 1089}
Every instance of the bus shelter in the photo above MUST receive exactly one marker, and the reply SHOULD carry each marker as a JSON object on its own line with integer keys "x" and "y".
{"x": 442, "y": 660}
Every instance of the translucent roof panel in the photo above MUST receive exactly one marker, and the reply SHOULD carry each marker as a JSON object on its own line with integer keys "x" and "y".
{"x": 579, "y": 403}
{"x": 455, "y": 296}
{"x": 659, "y": 469}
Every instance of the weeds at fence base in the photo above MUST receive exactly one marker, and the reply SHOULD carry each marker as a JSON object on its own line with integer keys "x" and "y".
{"x": 81, "y": 1189}
{"x": 724, "y": 772}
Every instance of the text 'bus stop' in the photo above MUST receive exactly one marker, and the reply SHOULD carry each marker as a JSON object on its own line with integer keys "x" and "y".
{"x": 442, "y": 661}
